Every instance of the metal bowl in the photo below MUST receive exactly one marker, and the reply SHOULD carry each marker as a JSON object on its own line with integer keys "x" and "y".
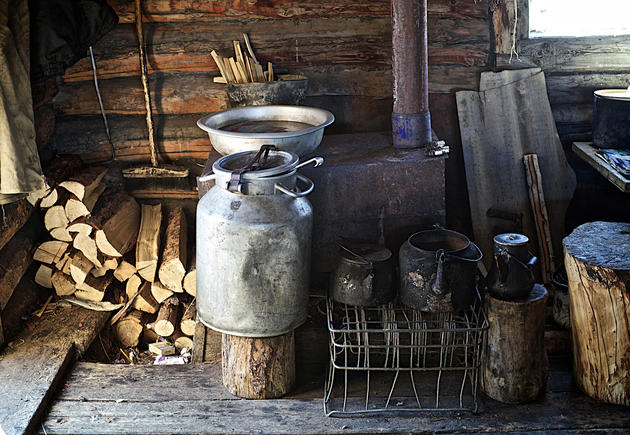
{"x": 300, "y": 140}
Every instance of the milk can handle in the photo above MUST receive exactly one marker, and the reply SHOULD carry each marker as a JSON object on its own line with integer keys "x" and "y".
{"x": 301, "y": 194}
{"x": 207, "y": 177}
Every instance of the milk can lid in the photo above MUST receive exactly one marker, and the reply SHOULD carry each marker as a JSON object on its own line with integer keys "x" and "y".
{"x": 266, "y": 162}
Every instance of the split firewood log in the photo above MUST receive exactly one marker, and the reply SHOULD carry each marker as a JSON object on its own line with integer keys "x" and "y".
{"x": 189, "y": 319}
{"x": 91, "y": 200}
{"x": 181, "y": 340}
{"x": 159, "y": 292}
{"x": 80, "y": 267}
{"x": 148, "y": 242}
{"x": 55, "y": 217}
{"x": 62, "y": 283}
{"x": 50, "y": 199}
{"x": 62, "y": 234}
{"x": 75, "y": 209}
{"x": 129, "y": 328}
{"x": 43, "y": 276}
{"x": 116, "y": 217}
{"x": 108, "y": 264}
{"x": 145, "y": 300}
{"x": 190, "y": 280}
{"x": 173, "y": 267}
{"x": 50, "y": 252}
{"x": 87, "y": 246}
{"x": 85, "y": 182}
{"x": 80, "y": 227}
{"x": 124, "y": 271}
{"x": 93, "y": 289}
{"x": 133, "y": 286}
{"x": 166, "y": 321}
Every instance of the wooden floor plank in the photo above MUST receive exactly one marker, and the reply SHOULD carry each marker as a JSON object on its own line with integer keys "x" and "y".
{"x": 33, "y": 364}
{"x": 191, "y": 399}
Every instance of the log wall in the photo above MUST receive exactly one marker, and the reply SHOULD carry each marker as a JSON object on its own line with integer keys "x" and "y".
{"x": 344, "y": 47}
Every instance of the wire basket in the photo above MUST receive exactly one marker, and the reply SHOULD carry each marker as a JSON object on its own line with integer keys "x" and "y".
{"x": 398, "y": 360}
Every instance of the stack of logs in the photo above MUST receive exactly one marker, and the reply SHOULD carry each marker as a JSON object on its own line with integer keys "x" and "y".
{"x": 90, "y": 257}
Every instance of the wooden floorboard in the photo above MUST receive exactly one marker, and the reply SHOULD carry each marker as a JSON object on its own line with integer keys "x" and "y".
{"x": 33, "y": 364}
{"x": 191, "y": 399}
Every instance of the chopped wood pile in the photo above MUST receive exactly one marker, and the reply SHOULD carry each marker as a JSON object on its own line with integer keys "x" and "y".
{"x": 244, "y": 69}
{"x": 90, "y": 259}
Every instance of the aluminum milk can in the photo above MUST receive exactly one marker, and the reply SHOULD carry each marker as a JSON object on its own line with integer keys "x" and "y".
{"x": 254, "y": 244}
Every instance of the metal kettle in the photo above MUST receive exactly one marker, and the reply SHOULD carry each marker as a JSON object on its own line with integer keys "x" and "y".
{"x": 511, "y": 276}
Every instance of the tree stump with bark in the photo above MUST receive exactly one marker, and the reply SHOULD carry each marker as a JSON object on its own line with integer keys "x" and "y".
{"x": 258, "y": 368}
{"x": 597, "y": 260}
{"x": 515, "y": 364}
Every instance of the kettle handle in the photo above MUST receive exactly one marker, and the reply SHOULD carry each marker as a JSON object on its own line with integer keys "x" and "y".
{"x": 438, "y": 285}
{"x": 299, "y": 194}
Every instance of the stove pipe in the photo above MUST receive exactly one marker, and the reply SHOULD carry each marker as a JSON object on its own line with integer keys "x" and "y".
{"x": 411, "y": 120}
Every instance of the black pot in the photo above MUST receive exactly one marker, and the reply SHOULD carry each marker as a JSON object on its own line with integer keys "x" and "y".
{"x": 611, "y": 118}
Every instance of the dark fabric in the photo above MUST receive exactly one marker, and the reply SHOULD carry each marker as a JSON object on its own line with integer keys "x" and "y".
{"x": 62, "y": 31}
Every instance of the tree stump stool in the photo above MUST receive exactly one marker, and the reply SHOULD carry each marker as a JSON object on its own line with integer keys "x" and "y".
{"x": 597, "y": 259}
{"x": 258, "y": 368}
{"x": 515, "y": 364}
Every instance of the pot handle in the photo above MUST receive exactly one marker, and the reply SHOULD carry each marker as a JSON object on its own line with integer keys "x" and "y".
{"x": 438, "y": 284}
{"x": 293, "y": 194}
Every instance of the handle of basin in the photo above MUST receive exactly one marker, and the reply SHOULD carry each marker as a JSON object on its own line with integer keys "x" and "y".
{"x": 317, "y": 161}
{"x": 301, "y": 194}
{"x": 207, "y": 177}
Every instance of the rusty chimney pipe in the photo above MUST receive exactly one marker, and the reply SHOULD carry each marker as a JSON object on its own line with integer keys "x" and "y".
{"x": 411, "y": 120}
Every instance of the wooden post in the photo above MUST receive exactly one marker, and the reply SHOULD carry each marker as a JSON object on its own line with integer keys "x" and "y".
{"x": 258, "y": 368}
{"x": 515, "y": 362}
{"x": 597, "y": 259}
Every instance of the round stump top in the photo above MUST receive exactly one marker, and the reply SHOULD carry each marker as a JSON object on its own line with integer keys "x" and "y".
{"x": 603, "y": 244}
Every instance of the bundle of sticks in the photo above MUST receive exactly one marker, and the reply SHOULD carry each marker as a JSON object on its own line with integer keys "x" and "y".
{"x": 243, "y": 68}
{"x": 91, "y": 259}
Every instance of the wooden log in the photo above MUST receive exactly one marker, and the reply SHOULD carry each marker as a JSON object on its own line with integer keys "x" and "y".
{"x": 181, "y": 340}
{"x": 91, "y": 199}
{"x": 129, "y": 329}
{"x": 14, "y": 216}
{"x": 61, "y": 234}
{"x": 124, "y": 271}
{"x": 50, "y": 252}
{"x": 117, "y": 216}
{"x": 166, "y": 321}
{"x": 133, "y": 286}
{"x": 85, "y": 182}
{"x": 541, "y": 218}
{"x": 598, "y": 270}
{"x": 55, "y": 217}
{"x": 80, "y": 227}
{"x": 258, "y": 368}
{"x": 43, "y": 276}
{"x": 516, "y": 368}
{"x": 93, "y": 289}
{"x": 173, "y": 267}
{"x": 145, "y": 300}
{"x": 190, "y": 279}
{"x": 75, "y": 209}
{"x": 50, "y": 199}
{"x": 148, "y": 242}
{"x": 15, "y": 259}
{"x": 189, "y": 319}
{"x": 159, "y": 292}
{"x": 87, "y": 246}
{"x": 80, "y": 267}
{"x": 62, "y": 283}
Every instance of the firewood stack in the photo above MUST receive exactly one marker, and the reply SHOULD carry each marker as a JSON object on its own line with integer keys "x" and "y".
{"x": 90, "y": 257}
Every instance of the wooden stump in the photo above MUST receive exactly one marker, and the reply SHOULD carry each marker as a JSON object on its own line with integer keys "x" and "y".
{"x": 515, "y": 362}
{"x": 258, "y": 368}
{"x": 597, "y": 259}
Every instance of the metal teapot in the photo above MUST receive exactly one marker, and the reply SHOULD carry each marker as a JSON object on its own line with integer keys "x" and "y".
{"x": 511, "y": 276}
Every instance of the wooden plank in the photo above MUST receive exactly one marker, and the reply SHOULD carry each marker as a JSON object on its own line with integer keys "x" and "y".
{"x": 32, "y": 368}
{"x": 200, "y": 10}
{"x": 586, "y": 151}
{"x": 14, "y": 216}
{"x": 15, "y": 259}
{"x": 185, "y": 47}
{"x": 578, "y": 88}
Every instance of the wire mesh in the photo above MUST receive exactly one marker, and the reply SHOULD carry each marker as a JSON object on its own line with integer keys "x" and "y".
{"x": 399, "y": 360}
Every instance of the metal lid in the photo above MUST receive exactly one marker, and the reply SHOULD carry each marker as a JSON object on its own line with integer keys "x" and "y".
{"x": 614, "y": 94}
{"x": 264, "y": 163}
{"x": 511, "y": 239}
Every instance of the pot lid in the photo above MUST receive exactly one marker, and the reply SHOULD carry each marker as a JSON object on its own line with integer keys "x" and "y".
{"x": 614, "y": 94}
{"x": 266, "y": 162}
{"x": 511, "y": 239}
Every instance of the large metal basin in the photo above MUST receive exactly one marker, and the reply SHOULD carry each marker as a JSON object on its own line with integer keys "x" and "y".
{"x": 302, "y": 141}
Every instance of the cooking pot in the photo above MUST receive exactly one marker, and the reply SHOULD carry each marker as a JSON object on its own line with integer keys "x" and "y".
{"x": 438, "y": 271}
{"x": 363, "y": 275}
{"x": 611, "y": 118}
